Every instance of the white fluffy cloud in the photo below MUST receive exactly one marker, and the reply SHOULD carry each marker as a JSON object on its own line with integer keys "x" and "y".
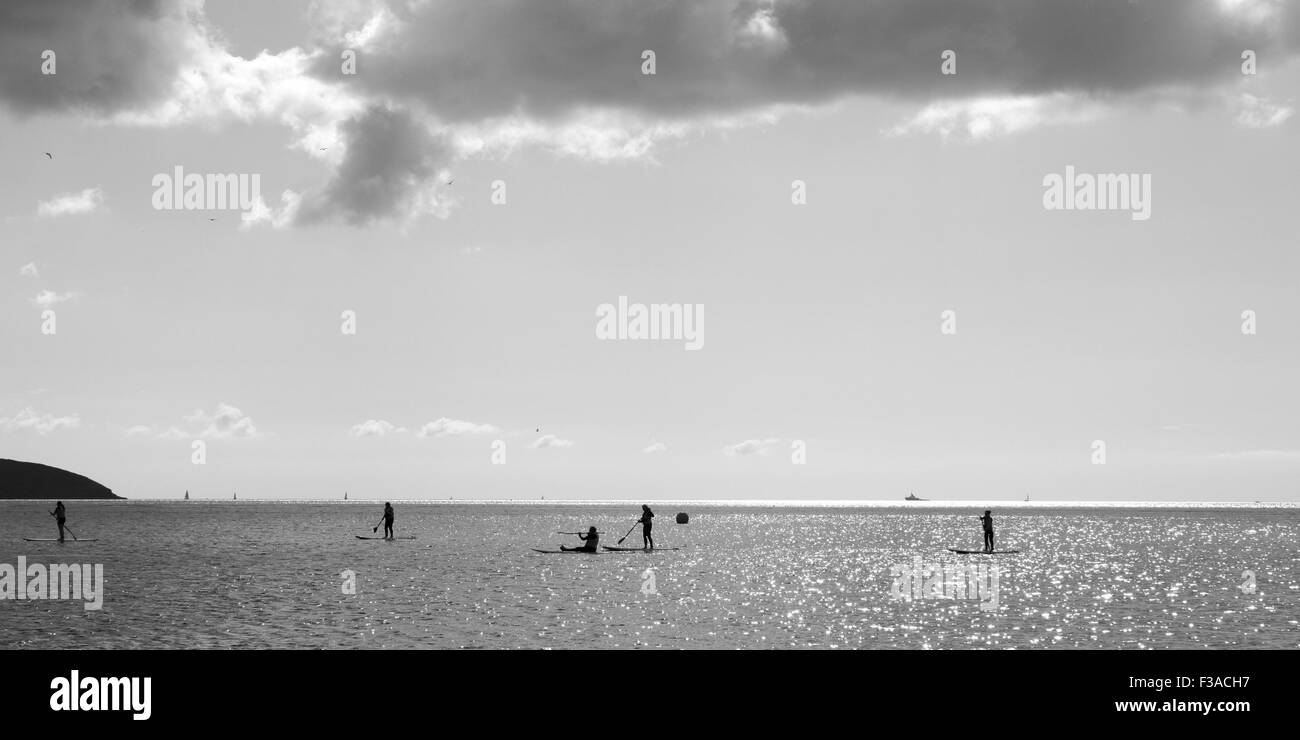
{"x": 28, "y": 420}
{"x": 1256, "y": 112}
{"x": 655, "y": 447}
{"x": 988, "y": 117}
{"x": 29, "y": 270}
{"x": 750, "y": 447}
{"x": 227, "y": 422}
{"x": 72, "y": 204}
{"x": 445, "y": 427}
{"x": 375, "y": 428}
{"x": 47, "y": 298}
{"x": 551, "y": 441}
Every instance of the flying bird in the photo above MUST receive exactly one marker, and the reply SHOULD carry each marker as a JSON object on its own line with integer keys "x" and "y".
{"x": 51, "y": 156}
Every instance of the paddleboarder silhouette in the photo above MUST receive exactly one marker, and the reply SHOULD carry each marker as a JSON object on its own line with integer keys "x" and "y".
{"x": 388, "y": 520}
{"x": 60, "y": 516}
{"x": 987, "y": 520}
{"x": 647, "y": 523}
{"x": 590, "y": 540}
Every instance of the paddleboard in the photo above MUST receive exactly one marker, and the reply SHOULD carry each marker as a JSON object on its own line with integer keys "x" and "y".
{"x": 565, "y": 552}
{"x": 56, "y": 539}
{"x": 384, "y": 538}
{"x": 639, "y": 549}
{"x": 981, "y": 552}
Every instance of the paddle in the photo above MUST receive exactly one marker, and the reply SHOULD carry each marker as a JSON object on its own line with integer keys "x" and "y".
{"x": 376, "y": 529}
{"x": 629, "y": 533}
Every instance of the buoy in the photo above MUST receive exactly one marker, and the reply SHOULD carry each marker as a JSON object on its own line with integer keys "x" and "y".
{"x": 682, "y": 518}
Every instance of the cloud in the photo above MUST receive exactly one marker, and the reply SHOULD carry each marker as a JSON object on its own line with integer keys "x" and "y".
{"x": 550, "y": 440}
{"x": 488, "y": 80}
{"x": 282, "y": 216}
{"x": 111, "y": 56}
{"x": 1257, "y": 12}
{"x": 42, "y": 424}
{"x": 719, "y": 56}
{"x": 439, "y": 82}
{"x": 750, "y": 447}
{"x": 374, "y": 428}
{"x": 227, "y": 422}
{"x": 47, "y": 298}
{"x": 72, "y": 204}
{"x": 982, "y": 118}
{"x": 445, "y": 427}
{"x": 1255, "y": 112}
{"x": 655, "y": 447}
{"x": 470, "y": 63}
{"x": 217, "y": 86}
{"x": 29, "y": 270}
{"x": 392, "y": 169}
{"x": 139, "y": 431}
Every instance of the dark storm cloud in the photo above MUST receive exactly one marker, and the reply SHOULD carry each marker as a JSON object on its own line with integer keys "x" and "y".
{"x": 390, "y": 171}
{"x": 466, "y": 60}
{"x": 546, "y": 58}
{"x": 437, "y": 79}
{"x": 111, "y": 55}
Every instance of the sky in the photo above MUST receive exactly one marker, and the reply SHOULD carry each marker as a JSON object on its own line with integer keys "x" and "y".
{"x": 803, "y": 174}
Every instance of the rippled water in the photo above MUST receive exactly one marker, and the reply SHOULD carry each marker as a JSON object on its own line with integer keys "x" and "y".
{"x": 255, "y": 575}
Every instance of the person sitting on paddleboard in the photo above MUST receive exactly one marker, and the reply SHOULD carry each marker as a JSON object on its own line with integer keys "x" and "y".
{"x": 60, "y": 516}
{"x": 388, "y": 520}
{"x": 987, "y": 519}
{"x": 591, "y": 540}
{"x": 647, "y": 523}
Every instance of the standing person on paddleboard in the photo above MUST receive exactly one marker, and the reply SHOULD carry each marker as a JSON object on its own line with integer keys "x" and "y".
{"x": 591, "y": 541}
{"x": 60, "y": 515}
{"x": 388, "y": 520}
{"x": 987, "y": 520}
{"x": 647, "y": 523}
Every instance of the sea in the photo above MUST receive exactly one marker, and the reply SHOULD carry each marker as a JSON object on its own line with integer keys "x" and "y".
{"x": 783, "y": 575}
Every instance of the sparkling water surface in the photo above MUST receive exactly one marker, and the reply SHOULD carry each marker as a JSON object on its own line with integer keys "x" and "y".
{"x": 204, "y": 574}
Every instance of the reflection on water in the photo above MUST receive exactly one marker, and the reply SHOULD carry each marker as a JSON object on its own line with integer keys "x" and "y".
{"x": 263, "y": 575}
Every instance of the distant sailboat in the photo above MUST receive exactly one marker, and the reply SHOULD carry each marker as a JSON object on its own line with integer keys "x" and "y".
{"x": 187, "y": 495}
{"x": 1026, "y": 497}
{"x": 345, "y": 495}
{"x": 235, "y": 497}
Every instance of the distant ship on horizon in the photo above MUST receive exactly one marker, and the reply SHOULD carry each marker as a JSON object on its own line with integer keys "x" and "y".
{"x": 187, "y": 495}
{"x": 912, "y": 497}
